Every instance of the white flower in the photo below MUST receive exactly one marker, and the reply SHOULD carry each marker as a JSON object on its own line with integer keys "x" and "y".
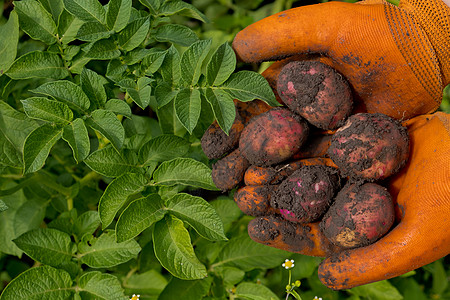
{"x": 315, "y": 298}
{"x": 288, "y": 264}
{"x": 135, "y": 297}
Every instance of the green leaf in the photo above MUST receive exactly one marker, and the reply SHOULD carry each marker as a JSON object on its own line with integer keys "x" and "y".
{"x": 223, "y": 107}
{"x": 152, "y": 61}
{"x": 48, "y": 246}
{"x": 138, "y": 216}
{"x": 38, "y": 145}
{"x": 92, "y": 85}
{"x": 100, "y": 286}
{"x": 175, "y": 33}
{"x": 68, "y": 27}
{"x": 3, "y": 206}
{"x": 119, "y": 107}
{"x": 36, "y": 21}
{"x": 243, "y": 253}
{"x": 186, "y": 289}
{"x": 141, "y": 95}
{"x": 161, "y": 148}
{"x": 164, "y": 94}
{"x": 86, "y": 10}
{"x": 54, "y": 7}
{"x": 246, "y": 86}
{"x": 15, "y": 202}
{"x": 110, "y": 163}
{"x": 188, "y": 105}
{"x": 109, "y": 126}
{"x": 174, "y": 251}
{"x": 76, "y": 135}
{"x": 192, "y": 60}
{"x": 115, "y": 70}
{"x": 103, "y": 50}
{"x": 230, "y": 275}
{"x": 118, "y": 14}
{"x": 86, "y": 223}
{"x": 253, "y": 291}
{"x": 47, "y": 110}
{"x": 221, "y": 65}
{"x": 134, "y": 34}
{"x": 381, "y": 290}
{"x": 198, "y": 213}
{"x": 184, "y": 171}
{"x": 66, "y": 92}
{"x": 153, "y": 5}
{"x": 15, "y": 126}
{"x": 182, "y": 8}
{"x": 41, "y": 283}
{"x": 138, "y": 283}
{"x": 38, "y": 64}
{"x": 92, "y": 31}
{"x": 8, "y": 43}
{"x": 117, "y": 193}
{"x": 105, "y": 252}
{"x": 170, "y": 68}
{"x": 30, "y": 215}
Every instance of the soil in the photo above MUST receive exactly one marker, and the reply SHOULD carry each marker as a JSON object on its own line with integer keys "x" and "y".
{"x": 254, "y": 200}
{"x": 228, "y": 172}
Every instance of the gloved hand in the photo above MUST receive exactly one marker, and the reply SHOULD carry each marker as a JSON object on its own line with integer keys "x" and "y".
{"x": 397, "y": 62}
{"x": 395, "y": 58}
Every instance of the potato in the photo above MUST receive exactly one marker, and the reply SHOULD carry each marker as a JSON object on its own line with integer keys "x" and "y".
{"x": 273, "y": 137}
{"x": 228, "y": 172}
{"x": 316, "y": 92}
{"x": 306, "y": 195}
{"x": 360, "y": 215}
{"x": 370, "y": 147}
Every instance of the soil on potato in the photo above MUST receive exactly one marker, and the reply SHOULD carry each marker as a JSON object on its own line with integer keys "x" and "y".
{"x": 228, "y": 172}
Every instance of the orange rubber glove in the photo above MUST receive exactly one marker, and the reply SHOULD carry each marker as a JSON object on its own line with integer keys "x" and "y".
{"x": 395, "y": 58}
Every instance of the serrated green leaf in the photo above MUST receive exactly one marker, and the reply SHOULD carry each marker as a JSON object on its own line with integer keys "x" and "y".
{"x": 243, "y": 253}
{"x": 86, "y": 10}
{"x": 170, "y": 68}
{"x": 254, "y": 291}
{"x": 184, "y": 171}
{"x": 188, "y": 105}
{"x": 47, "y": 246}
{"x": 175, "y": 33}
{"x": 221, "y": 65}
{"x": 134, "y": 34}
{"x": 105, "y": 252}
{"x": 198, "y": 213}
{"x": 119, "y": 107}
{"x": 105, "y": 49}
{"x": 42, "y": 283}
{"x": 118, "y": 14}
{"x": 15, "y": 126}
{"x": 92, "y": 31}
{"x": 138, "y": 216}
{"x": 186, "y": 289}
{"x": 92, "y": 85}
{"x": 161, "y": 148}
{"x": 117, "y": 193}
{"x": 86, "y": 223}
{"x": 76, "y": 135}
{"x": 170, "y": 8}
{"x": 174, "y": 251}
{"x": 47, "y": 110}
{"x": 36, "y": 21}
{"x": 8, "y": 43}
{"x": 109, "y": 126}
{"x": 37, "y": 146}
{"x": 38, "y": 64}
{"x": 68, "y": 27}
{"x": 111, "y": 163}
{"x": 54, "y": 7}
{"x": 164, "y": 94}
{"x": 66, "y": 92}
{"x": 100, "y": 286}
{"x": 223, "y": 108}
{"x": 378, "y": 291}
{"x": 247, "y": 86}
{"x": 192, "y": 60}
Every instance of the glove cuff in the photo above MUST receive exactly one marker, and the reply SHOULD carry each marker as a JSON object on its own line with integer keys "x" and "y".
{"x": 434, "y": 18}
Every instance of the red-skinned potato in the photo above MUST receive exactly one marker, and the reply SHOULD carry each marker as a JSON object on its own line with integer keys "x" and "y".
{"x": 273, "y": 137}
{"x": 370, "y": 147}
{"x": 360, "y": 215}
{"x": 315, "y": 91}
